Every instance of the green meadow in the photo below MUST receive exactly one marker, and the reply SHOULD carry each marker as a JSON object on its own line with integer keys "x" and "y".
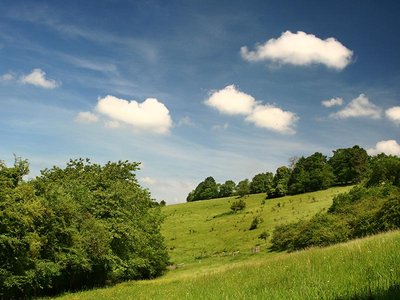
{"x": 214, "y": 255}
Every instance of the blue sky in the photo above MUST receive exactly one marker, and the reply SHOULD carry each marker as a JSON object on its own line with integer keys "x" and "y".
{"x": 197, "y": 88}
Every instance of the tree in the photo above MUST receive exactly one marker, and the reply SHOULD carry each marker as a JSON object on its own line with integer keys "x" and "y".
{"x": 310, "y": 174}
{"x": 76, "y": 227}
{"x": 385, "y": 169}
{"x": 227, "y": 189}
{"x": 238, "y": 205}
{"x": 243, "y": 188}
{"x": 280, "y": 183}
{"x": 207, "y": 189}
{"x": 261, "y": 183}
{"x": 349, "y": 165}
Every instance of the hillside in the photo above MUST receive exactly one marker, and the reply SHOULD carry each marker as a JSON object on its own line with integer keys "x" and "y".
{"x": 368, "y": 268}
{"x": 205, "y": 231}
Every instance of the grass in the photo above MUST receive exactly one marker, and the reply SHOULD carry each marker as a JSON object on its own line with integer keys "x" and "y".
{"x": 211, "y": 249}
{"x": 203, "y": 230}
{"x": 362, "y": 269}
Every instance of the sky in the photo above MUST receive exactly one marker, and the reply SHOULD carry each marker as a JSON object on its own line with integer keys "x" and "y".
{"x": 193, "y": 89}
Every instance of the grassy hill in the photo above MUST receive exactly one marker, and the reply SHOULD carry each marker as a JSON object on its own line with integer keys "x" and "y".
{"x": 214, "y": 257}
{"x": 204, "y": 231}
{"x": 361, "y": 269}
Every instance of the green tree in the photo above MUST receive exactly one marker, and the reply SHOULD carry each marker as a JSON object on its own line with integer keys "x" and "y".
{"x": 243, "y": 188}
{"x": 207, "y": 189}
{"x": 227, "y": 189}
{"x": 311, "y": 174}
{"x": 349, "y": 165}
{"x": 280, "y": 183}
{"x": 261, "y": 183}
{"x": 384, "y": 169}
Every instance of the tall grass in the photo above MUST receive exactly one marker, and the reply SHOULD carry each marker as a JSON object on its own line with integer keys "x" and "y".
{"x": 360, "y": 269}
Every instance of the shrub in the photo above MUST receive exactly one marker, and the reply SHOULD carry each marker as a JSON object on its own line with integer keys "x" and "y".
{"x": 238, "y": 205}
{"x": 256, "y": 221}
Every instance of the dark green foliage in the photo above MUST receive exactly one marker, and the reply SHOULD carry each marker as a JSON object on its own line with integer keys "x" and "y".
{"x": 384, "y": 169}
{"x": 243, "y": 188}
{"x": 76, "y": 227}
{"x": 349, "y": 165}
{"x": 226, "y": 189}
{"x": 263, "y": 235}
{"x": 207, "y": 189}
{"x": 310, "y": 174}
{"x": 238, "y": 205}
{"x": 256, "y": 221}
{"x": 280, "y": 183}
{"x": 261, "y": 183}
{"x": 361, "y": 212}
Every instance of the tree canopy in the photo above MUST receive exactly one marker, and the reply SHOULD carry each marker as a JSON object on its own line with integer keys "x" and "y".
{"x": 77, "y": 226}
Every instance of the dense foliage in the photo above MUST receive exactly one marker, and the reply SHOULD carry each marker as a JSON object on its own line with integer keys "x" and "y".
{"x": 307, "y": 174}
{"x": 76, "y": 227}
{"x": 367, "y": 209}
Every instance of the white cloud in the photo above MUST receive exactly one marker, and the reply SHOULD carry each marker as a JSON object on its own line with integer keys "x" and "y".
{"x": 332, "y": 102}
{"x": 394, "y": 114}
{"x": 359, "y": 107}
{"x": 186, "y": 121}
{"x": 390, "y": 147}
{"x": 301, "y": 49}
{"x": 38, "y": 78}
{"x": 7, "y": 77}
{"x": 273, "y": 118}
{"x": 150, "y": 115}
{"x": 148, "y": 180}
{"x": 86, "y": 117}
{"x": 231, "y": 101}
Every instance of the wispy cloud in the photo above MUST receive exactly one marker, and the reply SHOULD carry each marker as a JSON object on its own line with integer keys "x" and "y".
{"x": 86, "y": 117}
{"x": 300, "y": 49}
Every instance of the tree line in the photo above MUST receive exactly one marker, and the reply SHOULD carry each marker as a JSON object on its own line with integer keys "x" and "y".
{"x": 305, "y": 174}
{"x": 76, "y": 227}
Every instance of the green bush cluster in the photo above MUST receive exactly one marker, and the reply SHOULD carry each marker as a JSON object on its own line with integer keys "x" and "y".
{"x": 361, "y": 212}
{"x": 82, "y": 226}
{"x": 238, "y": 205}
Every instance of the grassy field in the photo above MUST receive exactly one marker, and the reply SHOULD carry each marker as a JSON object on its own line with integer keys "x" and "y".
{"x": 360, "y": 269}
{"x": 216, "y": 256}
{"x": 199, "y": 232}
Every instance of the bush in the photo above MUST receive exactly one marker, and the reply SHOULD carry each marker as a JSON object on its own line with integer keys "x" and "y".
{"x": 256, "y": 221}
{"x": 238, "y": 205}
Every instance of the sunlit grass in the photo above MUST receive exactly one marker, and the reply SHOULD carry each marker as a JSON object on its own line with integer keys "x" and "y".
{"x": 354, "y": 270}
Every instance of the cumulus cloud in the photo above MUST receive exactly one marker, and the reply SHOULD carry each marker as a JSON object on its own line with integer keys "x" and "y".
{"x": 231, "y": 101}
{"x": 273, "y": 118}
{"x": 86, "y": 117}
{"x": 390, "y": 147}
{"x": 300, "y": 49}
{"x": 150, "y": 115}
{"x": 394, "y": 114}
{"x": 359, "y": 107}
{"x": 332, "y": 102}
{"x": 38, "y": 78}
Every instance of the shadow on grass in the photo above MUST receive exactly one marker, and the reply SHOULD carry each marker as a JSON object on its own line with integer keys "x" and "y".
{"x": 227, "y": 213}
{"x": 393, "y": 292}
